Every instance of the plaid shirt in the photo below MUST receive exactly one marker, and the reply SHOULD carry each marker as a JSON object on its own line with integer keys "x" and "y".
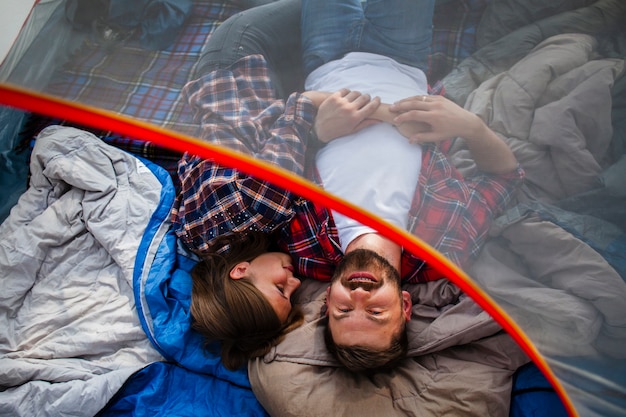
{"x": 236, "y": 108}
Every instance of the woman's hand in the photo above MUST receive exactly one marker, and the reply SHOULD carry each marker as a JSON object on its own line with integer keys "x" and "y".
{"x": 342, "y": 113}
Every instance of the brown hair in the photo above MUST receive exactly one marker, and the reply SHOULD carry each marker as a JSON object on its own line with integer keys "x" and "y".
{"x": 235, "y": 312}
{"x": 362, "y": 358}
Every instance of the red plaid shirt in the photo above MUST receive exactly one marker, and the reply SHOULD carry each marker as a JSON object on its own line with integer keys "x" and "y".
{"x": 236, "y": 108}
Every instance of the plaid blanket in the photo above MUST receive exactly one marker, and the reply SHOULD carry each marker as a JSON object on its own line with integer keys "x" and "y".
{"x": 146, "y": 84}
{"x": 141, "y": 83}
{"x": 454, "y": 34}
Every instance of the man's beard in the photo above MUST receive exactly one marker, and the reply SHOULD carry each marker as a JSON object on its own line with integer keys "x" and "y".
{"x": 365, "y": 260}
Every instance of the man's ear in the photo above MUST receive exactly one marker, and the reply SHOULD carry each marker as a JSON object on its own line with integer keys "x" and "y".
{"x": 240, "y": 270}
{"x": 407, "y": 305}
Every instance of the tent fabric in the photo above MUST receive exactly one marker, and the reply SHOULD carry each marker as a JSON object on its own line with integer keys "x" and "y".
{"x": 492, "y": 34}
{"x": 528, "y": 25}
{"x": 578, "y": 261}
{"x": 13, "y": 18}
{"x": 14, "y": 161}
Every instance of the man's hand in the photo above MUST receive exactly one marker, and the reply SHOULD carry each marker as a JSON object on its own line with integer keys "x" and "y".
{"x": 412, "y": 130}
{"x": 344, "y": 112}
{"x": 435, "y": 118}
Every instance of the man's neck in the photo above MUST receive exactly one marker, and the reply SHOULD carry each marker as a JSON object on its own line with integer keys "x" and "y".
{"x": 386, "y": 248}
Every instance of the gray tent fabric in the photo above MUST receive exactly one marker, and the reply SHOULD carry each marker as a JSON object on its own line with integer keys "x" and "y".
{"x": 548, "y": 77}
{"x": 507, "y": 48}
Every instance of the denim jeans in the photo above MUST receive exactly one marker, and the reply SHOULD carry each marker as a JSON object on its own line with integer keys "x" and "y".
{"x": 399, "y": 29}
{"x": 272, "y": 30}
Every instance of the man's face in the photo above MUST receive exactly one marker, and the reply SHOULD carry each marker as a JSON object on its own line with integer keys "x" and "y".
{"x": 365, "y": 304}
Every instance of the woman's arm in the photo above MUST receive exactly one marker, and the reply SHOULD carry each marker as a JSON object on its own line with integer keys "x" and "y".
{"x": 342, "y": 112}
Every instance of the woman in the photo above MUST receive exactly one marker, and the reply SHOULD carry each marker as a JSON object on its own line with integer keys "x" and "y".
{"x": 242, "y": 286}
{"x": 243, "y": 298}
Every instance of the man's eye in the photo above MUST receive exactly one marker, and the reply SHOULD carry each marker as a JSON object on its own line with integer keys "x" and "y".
{"x": 343, "y": 310}
{"x": 281, "y": 289}
{"x": 375, "y": 312}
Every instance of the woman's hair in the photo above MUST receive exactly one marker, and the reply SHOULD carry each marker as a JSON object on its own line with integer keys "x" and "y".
{"x": 235, "y": 312}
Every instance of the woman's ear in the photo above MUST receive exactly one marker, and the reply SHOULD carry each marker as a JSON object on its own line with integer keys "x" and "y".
{"x": 240, "y": 270}
{"x": 326, "y": 301}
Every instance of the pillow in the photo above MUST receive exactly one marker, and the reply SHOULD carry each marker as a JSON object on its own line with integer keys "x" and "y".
{"x": 454, "y": 346}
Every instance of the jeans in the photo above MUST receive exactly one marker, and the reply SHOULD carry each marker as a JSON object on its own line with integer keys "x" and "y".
{"x": 272, "y": 30}
{"x": 399, "y": 29}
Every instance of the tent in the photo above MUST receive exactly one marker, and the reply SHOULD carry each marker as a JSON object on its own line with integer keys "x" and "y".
{"x": 547, "y": 77}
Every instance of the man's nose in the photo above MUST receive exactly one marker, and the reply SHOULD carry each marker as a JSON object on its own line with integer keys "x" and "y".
{"x": 359, "y": 293}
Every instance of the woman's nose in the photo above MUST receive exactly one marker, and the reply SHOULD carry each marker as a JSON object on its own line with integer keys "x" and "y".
{"x": 294, "y": 283}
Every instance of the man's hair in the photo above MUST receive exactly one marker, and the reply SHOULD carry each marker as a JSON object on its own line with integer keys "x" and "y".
{"x": 362, "y": 358}
{"x": 235, "y": 312}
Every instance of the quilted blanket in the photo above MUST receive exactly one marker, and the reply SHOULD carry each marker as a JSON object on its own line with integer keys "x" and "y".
{"x": 94, "y": 295}
{"x": 69, "y": 332}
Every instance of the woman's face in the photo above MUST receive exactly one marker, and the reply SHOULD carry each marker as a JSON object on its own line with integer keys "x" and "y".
{"x": 272, "y": 274}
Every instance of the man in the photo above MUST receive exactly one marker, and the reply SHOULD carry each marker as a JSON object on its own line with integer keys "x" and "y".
{"x": 364, "y": 299}
{"x": 366, "y": 309}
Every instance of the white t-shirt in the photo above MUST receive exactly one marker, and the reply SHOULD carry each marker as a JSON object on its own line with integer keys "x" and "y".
{"x": 376, "y": 168}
